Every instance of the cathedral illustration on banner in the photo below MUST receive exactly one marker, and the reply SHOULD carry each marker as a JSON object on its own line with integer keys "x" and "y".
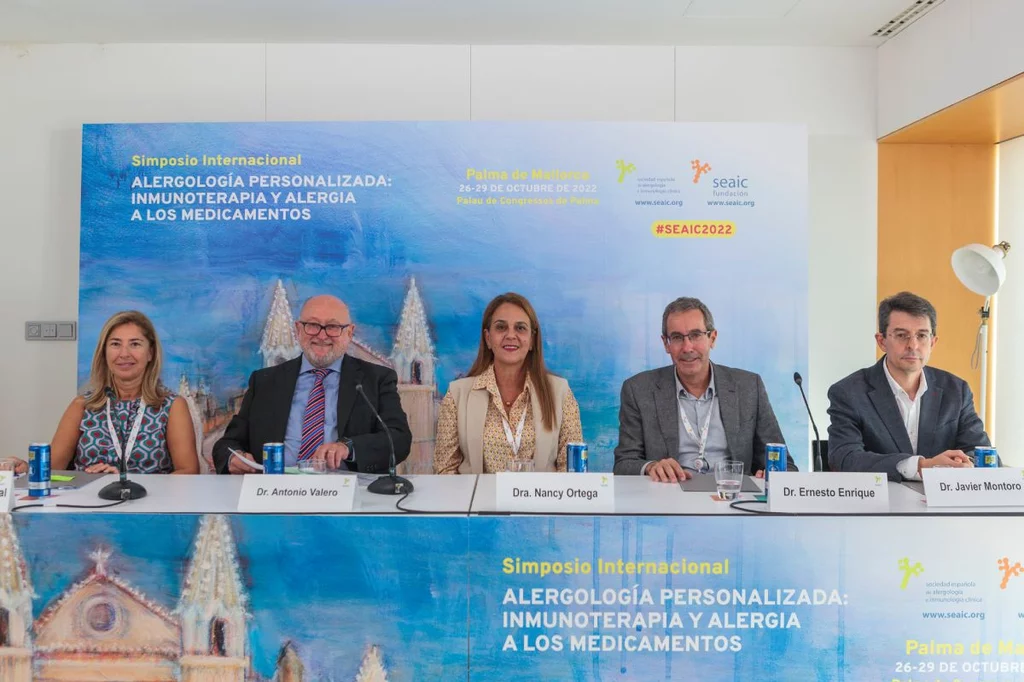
{"x": 102, "y": 628}
{"x": 413, "y": 357}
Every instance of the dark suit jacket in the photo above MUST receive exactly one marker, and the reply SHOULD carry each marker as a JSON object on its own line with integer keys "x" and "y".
{"x": 866, "y": 432}
{"x": 263, "y": 417}
{"x": 649, "y": 419}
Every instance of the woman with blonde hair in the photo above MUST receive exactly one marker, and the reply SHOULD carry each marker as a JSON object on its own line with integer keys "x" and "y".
{"x": 510, "y": 410}
{"x": 126, "y": 412}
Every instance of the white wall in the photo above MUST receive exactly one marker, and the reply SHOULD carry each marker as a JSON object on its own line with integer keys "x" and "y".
{"x": 957, "y": 50}
{"x": 1009, "y": 316}
{"x": 48, "y": 91}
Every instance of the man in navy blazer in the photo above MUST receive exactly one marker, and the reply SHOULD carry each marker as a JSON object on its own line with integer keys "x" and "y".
{"x": 280, "y": 401}
{"x": 899, "y": 416}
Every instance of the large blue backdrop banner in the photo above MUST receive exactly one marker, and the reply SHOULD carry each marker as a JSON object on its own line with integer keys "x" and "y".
{"x": 219, "y": 231}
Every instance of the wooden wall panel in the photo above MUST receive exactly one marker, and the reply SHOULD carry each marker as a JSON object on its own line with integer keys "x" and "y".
{"x": 932, "y": 199}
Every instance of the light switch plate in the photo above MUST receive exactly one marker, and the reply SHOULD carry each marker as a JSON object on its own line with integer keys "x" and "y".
{"x": 51, "y": 331}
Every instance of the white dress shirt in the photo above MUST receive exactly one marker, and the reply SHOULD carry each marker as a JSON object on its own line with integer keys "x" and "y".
{"x": 910, "y": 411}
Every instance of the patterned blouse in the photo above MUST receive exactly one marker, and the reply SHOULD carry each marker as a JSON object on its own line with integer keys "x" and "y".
{"x": 149, "y": 456}
{"x": 497, "y": 451}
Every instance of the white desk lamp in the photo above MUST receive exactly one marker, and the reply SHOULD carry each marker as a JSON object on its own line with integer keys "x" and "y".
{"x": 981, "y": 269}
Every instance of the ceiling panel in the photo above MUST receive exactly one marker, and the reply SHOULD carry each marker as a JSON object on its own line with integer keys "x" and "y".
{"x": 753, "y": 9}
{"x": 552, "y": 22}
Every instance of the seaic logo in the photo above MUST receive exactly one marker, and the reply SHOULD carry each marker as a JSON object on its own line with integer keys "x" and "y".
{"x": 909, "y": 570}
{"x": 624, "y": 169}
{"x": 699, "y": 169}
{"x": 1009, "y": 571}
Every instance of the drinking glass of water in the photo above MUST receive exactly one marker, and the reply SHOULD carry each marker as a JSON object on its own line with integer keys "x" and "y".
{"x": 312, "y": 466}
{"x": 729, "y": 478}
{"x": 521, "y": 465}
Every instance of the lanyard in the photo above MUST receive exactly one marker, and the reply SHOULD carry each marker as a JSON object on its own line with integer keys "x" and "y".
{"x": 702, "y": 441}
{"x": 514, "y": 441}
{"x": 130, "y": 444}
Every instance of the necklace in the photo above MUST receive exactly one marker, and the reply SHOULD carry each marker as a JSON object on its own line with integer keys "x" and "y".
{"x": 508, "y": 403}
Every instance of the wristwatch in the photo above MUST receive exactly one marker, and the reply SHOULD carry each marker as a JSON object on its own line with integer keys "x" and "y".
{"x": 351, "y": 450}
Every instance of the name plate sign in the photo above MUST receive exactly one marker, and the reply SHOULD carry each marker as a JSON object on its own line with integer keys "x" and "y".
{"x": 541, "y": 493}
{"x": 263, "y": 493}
{"x": 951, "y": 487}
{"x": 6, "y": 491}
{"x": 791, "y": 492}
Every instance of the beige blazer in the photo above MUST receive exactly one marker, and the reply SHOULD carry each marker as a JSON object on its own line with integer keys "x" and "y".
{"x": 472, "y": 411}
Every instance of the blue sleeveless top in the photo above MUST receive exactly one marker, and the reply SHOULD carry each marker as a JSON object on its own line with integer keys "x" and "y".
{"x": 149, "y": 456}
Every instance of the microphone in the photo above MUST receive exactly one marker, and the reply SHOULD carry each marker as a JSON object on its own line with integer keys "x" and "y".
{"x": 123, "y": 489}
{"x": 799, "y": 380}
{"x": 390, "y": 484}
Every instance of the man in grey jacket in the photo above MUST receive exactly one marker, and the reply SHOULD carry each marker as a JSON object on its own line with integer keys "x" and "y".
{"x": 899, "y": 416}
{"x": 682, "y": 419}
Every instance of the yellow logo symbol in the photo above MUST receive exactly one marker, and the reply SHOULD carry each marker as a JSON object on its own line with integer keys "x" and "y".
{"x": 909, "y": 571}
{"x": 1009, "y": 571}
{"x": 878, "y": 480}
{"x": 604, "y": 480}
{"x": 624, "y": 169}
{"x": 699, "y": 169}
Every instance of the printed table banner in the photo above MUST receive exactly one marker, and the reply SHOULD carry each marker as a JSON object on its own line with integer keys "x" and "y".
{"x": 746, "y": 598}
{"x": 232, "y": 598}
{"x": 378, "y": 599}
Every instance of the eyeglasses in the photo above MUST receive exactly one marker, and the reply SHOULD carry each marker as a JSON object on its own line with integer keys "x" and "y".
{"x": 694, "y": 337}
{"x": 923, "y": 338}
{"x": 313, "y": 328}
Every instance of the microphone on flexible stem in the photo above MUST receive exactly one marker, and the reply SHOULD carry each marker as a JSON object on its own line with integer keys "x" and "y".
{"x": 799, "y": 380}
{"x": 123, "y": 489}
{"x": 391, "y": 484}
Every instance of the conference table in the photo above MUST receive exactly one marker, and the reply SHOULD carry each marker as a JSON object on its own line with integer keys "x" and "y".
{"x": 453, "y": 495}
{"x": 444, "y": 585}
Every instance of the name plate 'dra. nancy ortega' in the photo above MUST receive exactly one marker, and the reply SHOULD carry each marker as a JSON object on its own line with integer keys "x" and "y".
{"x": 951, "y": 487}
{"x": 303, "y": 494}
{"x": 542, "y": 493}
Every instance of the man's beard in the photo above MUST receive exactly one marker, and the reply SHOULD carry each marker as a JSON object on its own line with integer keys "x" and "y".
{"x": 324, "y": 360}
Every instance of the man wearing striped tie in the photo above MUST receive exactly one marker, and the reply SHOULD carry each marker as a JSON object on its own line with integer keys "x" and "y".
{"x": 311, "y": 404}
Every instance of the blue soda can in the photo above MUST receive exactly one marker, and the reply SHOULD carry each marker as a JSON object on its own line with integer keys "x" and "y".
{"x": 576, "y": 459}
{"x": 39, "y": 469}
{"x": 774, "y": 460}
{"x": 986, "y": 457}
{"x": 273, "y": 458}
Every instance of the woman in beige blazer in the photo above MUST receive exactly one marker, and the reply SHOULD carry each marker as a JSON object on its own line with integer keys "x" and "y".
{"x": 509, "y": 407}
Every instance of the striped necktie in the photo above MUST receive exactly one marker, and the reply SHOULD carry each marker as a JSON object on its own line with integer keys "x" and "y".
{"x": 313, "y": 420}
